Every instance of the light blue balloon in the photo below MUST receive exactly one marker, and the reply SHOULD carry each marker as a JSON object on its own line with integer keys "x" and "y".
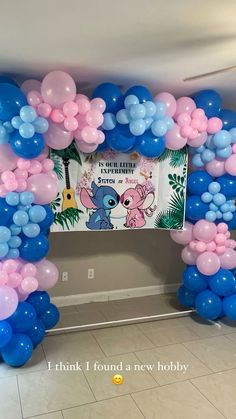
{"x": 218, "y": 215}
{"x": 214, "y": 188}
{"x": 37, "y": 214}
{"x": 4, "y": 137}
{"x": 28, "y": 113}
{"x": 160, "y": 110}
{"x": 210, "y": 216}
{"x": 200, "y": 149}
{"x": 12, "y": 198}
{"x": 227, "y": 216}
{"x": 40, "y": 125}
{"x": 232, "y": 208}
{"x": 137, "y": 127}
{"x": 224, "y": 153}
{"x": 159, "y": 128}
{"x": 21, "y": 218}
{"x": 222, "y": 139}
{"x": 206, "y": 197}
{"x": 225, "y": 207}
{"x": 14, "y": 242}
{"x": 3, "y": 250}
{"x": 123, "y": 116}
{"x": 213, "y": 207}
{"x": 13, "y": 254}
{"x": 27, "y": 130}
{"x": 233, "y": 135}
{"x": 16, "y": 122}
{"x": 131, "y": 100}
{"x": 209, "y": 142}
{"x": 5, "y": 234}
{"x": 109, "y": 122}
{"x": 150, "y": 108}
{"x": 8, "y": 126}
{"x": 15, "y": 230}
{"x": 169, "y": 122}
{"x": 207, "y": 156}
{"x": 192, "y": 150}
{"x": 31, "y": 230}
{"x": 24, "y": 207}
{"x": 148, "y": 122}
{"x": 219, "y": 199}
{"x": 137, "y": 112}
{"x": 197, "y": 161}
{"x": 26, "y": 198}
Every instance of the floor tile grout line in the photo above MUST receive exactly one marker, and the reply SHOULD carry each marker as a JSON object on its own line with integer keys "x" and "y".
{"x": 198, "y": 357}
{"x": 137, "y": 406}
{"x": 95, "y": 399}
{"x": 18, "y": 390}
{"x": 207, "y": 399}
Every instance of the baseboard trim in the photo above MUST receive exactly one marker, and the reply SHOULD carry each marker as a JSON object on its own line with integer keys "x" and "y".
{"x": 92, "y": 297}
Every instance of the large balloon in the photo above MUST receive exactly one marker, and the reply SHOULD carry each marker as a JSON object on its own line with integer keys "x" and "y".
{"x": 6, "y": 213}
{"x": 37, "y": 332}
{"x": 47, "y": 274}
{"x": 198, "y": 182}
{"x": 50, "y": 317}
{"x": 11, "y": 100}
{"x": 5, "y": 333}
{"x": 189, "y": 256}
{"x": 210, "y": 101}
{"x": 228, "y": 259}
{"x": 44, "y": 188}
{"x": 29, "y": 85}
{"x": 120, "y": 139}
{"x": 111, "y": 94}
{"x": 8, "y": 80}
{"x": 8, "y": 301}
{"x": 27, "y": 148}
{"x": 23, "y": 318}
{"x": 195, "y": 208}
{"x": 223, "y": 283}
{"x": 142, "y": 93}
{"x": 150, "y": 146}
{"x": 208, "y": 263}
{"x": 8, "y": 160}
{"x": 205, "y": 231}
{"x": 228, "y": 185}
{"x": 57, "y": 88}
{"x": 193, "y": 280}
{"x": 169, "y": 101}
{"x": 208, "y": 305}
{"x": 229, "y": 306}
{"x": 183, "y": 236}
{"x": 228, "y": 118}
{"x": 174, "y": 140}
{"x": 57, "y": 137}
{"x": 33, "y": 250}
{"x": 18, "y": 351}
{"x": 48, "y": 220}
{"x": 186, "y": 297}
{"x": 40, "y": 301}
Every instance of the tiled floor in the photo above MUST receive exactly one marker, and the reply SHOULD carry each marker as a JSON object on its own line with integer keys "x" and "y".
{"x": 173, "y": 369}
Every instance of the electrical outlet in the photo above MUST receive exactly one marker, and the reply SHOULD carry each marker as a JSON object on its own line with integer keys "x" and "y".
{"x": 64, "y": 276}
{"x": 91, "y": 273}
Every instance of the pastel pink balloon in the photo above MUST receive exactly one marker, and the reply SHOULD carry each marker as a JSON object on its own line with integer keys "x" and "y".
{"x": 47, "y": 274}
{"x": 214, "y": 125}
{"x": 21, "y": 185}
{"x": 57, "y": 88}
{"x": 233, "y": 148}
{"x": 7, "y": 176}
{"x": 70, "y": 108}
{"x": 98, "y": 104}
{"x": 83, "y": 104}
{"x": 23, "y": 164}
{"x": 35, "y": 168}
{"x": 228, "y": 259}
{"x": 11, "y": 185}
{"x": 8, "y": 160}
{"x": 85, "y": 147}
{"x": 3, "y": 278}
{"x": 230, "y": 165}
{"x": 44, "y": 154}
{"x": 220, "y": 250}
{"x": 184, "y": 105}
{"x": 169, "y": 101}
{"x": 220, "y": 239}
{"x": 183, "y": 119}
{"x": 198, "y": 140}
{"x": 57, "y": 116}
{"x": 94, "y": 118}
{"x": 28, "y": 270}
{"x": 57, "y": 137}
{"x": 101, "y": 137}
{"x": 29, "y": 284}
{"x": 89, "y": 135}
{"x": 174, "y": 140}
{"x": 21, "y": 174}
{"x": 3, "y": 191}
{"x": 44, "y": 109}
{"x": 211, "y": 246}
{"x": 222, "y": 228}
{"x": 10, "y": 266}
{"x": 189, "y": 256}
{"x": 29, "y": 85}
{"x": 81, "y": 121}
{"x": 198, "y": 113}
{"x": 71, "y": 123}
{"x": 208, "y": 263}
{"x": 216, "y": 167}
{"x": 44, "y": 188}
{"x": 34, "y": 98}
{"x": 8, "y": 301}
{"x": 201, "y": 247}
{"x": 204, "y": 230}
{"x": 14, "y": 280}
{"x": 47, "y": 165}
{"x": 183, "y": 236}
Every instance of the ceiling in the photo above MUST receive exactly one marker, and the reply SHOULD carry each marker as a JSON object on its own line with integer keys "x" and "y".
{"x": 154, "y": 42}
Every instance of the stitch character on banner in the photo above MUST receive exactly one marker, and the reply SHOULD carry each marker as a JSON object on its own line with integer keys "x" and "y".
{"x": 138, "y": 203}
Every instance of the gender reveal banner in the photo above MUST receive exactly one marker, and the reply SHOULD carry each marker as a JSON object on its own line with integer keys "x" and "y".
{"x": 116, "y": 191}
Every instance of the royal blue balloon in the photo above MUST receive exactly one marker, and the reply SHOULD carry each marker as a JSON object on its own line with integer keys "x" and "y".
{"x": 37, "y": 333}
{"x": 229, "y": 306}
{"x": 120, "y": 139}
{"x": 149, "y": 145}
{"x": 11, "y": 100}
{"x": 186, "y": 297}
{"x": 102, "y": 147}
{"x": 228, "y": 185}
{"x": 40, "y": 300}
{"x": 8, "y": 80}
{"x": 111, "y": 94}
{"x": 232, "y": 223}
{"x": 228, "y": 118}
{"x": 6, "y": 213}
{"x": 142, "y": 93}
{"x": 193, "y": 280}
{"x": 35, "y": 249}
{"x": 195, "y": 208}
{"x": 223, "y": 283}
{"x": 50, "y": 317}
{"x": 48, "y": 220}
{"x": 208, "y": 305}
{"x": 27, "y": 148}
{"x": 198, "y": 182}
{"x": 23, "y": 318}
{"x": 208, "y": 100}
{"x": 5, "y": 333}
{"x": 18, "y": 351}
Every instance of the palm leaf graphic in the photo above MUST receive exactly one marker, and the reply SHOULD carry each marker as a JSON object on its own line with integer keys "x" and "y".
{"x": 67, "y": 218}
{"x": 177, "y": 157}
{"x": 58, "y": 169}
{"x": 69, "y": 153}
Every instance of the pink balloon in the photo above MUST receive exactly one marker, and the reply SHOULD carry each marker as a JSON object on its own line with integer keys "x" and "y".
{"x": 22, "y": 297}
{"x": 198, "y": 140}
{"x": 47, "y": 274}
{"x": 208, "y": 263}
{"x": 189, "y": 256}
{"x": 228, "y": 259}
{"x": 44, "y": 188}
{"x": 83, "y": 104}
{"x": 23, "y": 164}
{"x": 57, "y": 137}
{"x": 98, "y": 104}
{"x": 222, "y": 228}
{"x": 57, "y": 88}
{"x": 44, "y": 154}
{"x": 8, "y": 160}
{"x": 35, "y": 167}
{"x": 29, "y": 85}
{"x": 205, "y": 231}
{"x": 201, "y": 247}
{"x": 101, "y": 136}
{"x": 184, "y": 105}
{"x": 8, "y": 301}
{"x": 28, "y": 270}
{"x": 216, "y": 167}
{"x": 85, "y": 147}
{"x": 34, "y": 98}
{"x": 57, "y": 116}
{"x": 214, "y": 125}
{"x": 44, "y": 109}
{"x": 89, "y": 135}
{"x": 29, "y": 284}
{"x": 169, "y": 101}
{"x": 174, "y": 141}
{"x": 71, "y": 123}
{"x": 94, "y": 118}
{"x": 230, "y": 165}
{"x": 220, "y": 239}
{"x": 3, "y": 191}
{"x": 14, "y": 280}
{"x": 183, "y": 236}
{"x": 22, "y": 185}
{"x": 47, "y": 165}
{"x": 70, "y": 108}
{"x": 3, "y": 278}
{"x": 10, "y": 266}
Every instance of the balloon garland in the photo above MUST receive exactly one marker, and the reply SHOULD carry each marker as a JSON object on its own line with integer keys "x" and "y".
{"x": 51, "y": 114}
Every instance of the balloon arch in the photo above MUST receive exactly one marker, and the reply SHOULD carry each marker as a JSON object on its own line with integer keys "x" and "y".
{"x": 51, "y": 114}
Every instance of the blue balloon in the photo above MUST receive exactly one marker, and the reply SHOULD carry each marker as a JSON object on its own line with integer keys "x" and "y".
{"x": 159, "y": 128}
{"x": 222, "y": 139}
{"x": 35, "y": 249}
{"x": 26, "y": 130}
{"x": 48, "y": 220}
{"x": 197, "y": 160}
{"x": 120, "y": 139}
{"x": 223, "y": 283}
{"x": 228, "y": 118}
{"x": 11, "y": 100}
{"x": 18, "y": 351}
{"x": 4, "y": 249}
{"x": 208, "y": 100}
{"x": 232, "y": 223}
{"x": 26, "y": 148}
{"x": 210, "y": 216}
{"x": 195, "y": 208}
{"x": 37, "y": 213}
{"x": 193, "y": 280}
{"x": 149, "y": 145}
{"x": 198, "y": 182}
{"x": 5, "y": 333}
{"x": 40, "y": 300}
{"x": 5, "y": 234}
{"x": 13, "y": 254}
{"x": 26, "y": 198}
{"x": 186, "y": 297}
{"x": 137, "y": 127}
{"x": 6, "y": 213}
{"x": 214, "y": 188}
{"x": 219, "y": 199}
{"x": 8, "y": 80}
{"x": 150, "y": 108}
{"x": 28, "y": 113}
{"x": 31, "y": 230}
{"x": 229, "y": 306}
{"x": 111, "y": 94}
{"x": 142, "y": 93}
{"x": 21, "y": 218}
{"x": 102, "y": 147}
{"x": 14, "y": 242}
{"x": 23, "y": 318}
{"x": 208, "y": 305}
{"x": 228, "y": 185}
{"x": 224, "y": 153}
{"x": 50, "y": 316}
{"x": 37, "y": 333}
{"x": 15, "y": 230}
{"x": 12, "y": 198}
{"x": 41, "y": 125}
{"x": 109, "y": 122}
{"x": 206, "y": 197}
{"x": 122, "y": 117}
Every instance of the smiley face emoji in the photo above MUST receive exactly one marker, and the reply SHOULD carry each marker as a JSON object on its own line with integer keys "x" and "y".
{"x": 117, "y": 379}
